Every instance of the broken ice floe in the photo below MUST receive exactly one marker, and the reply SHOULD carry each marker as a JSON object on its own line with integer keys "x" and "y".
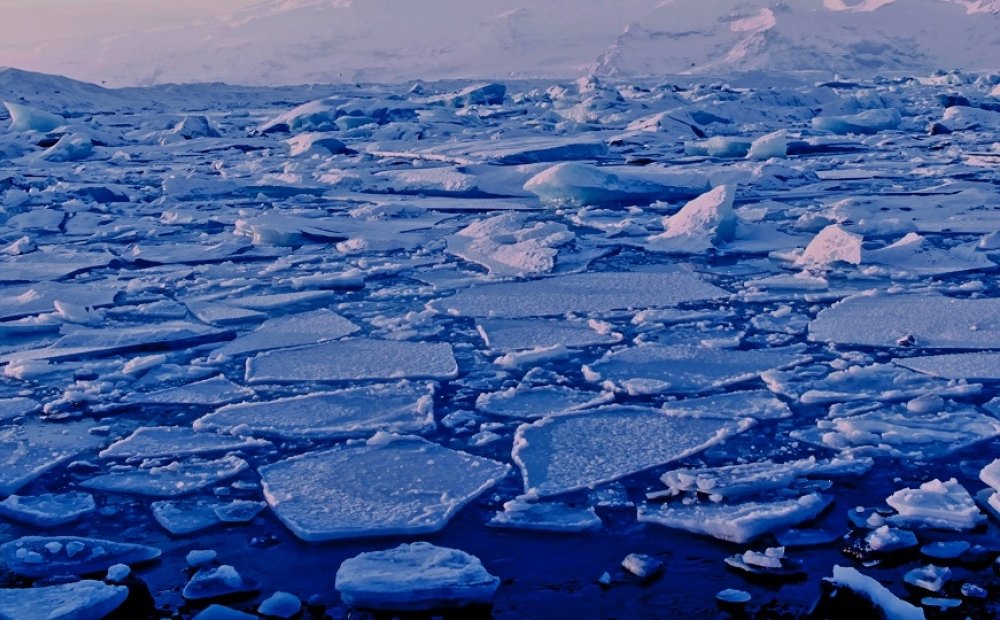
{"x": 518, "y": 514}
{"x": 589, "y": 293}
{"x": 355, "y": 360}
{"x": 79, "y": 600}
{"x": 46, "y": 556}
{"x": 582, "y": 184}
{"x": 582, "y": 450}
{"x": 48, "y": 510}
{"x": 738, "y": 523}
{"x": 169, "y": 480}
{"x": 160, "y": 441}
{"x": 936, "y": 504}
{"x": 657, "y": 369}
{"x": 310, "y": 327}
{"x": 29, "y": 450}
{"x": 535, "y": 402}
{"x": 392, "y": 485}
{"x": 415, "y": 577}
{"x": 401, "y": 408}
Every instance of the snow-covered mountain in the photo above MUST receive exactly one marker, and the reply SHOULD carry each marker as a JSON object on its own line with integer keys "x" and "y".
{"x": 263, "y": 42}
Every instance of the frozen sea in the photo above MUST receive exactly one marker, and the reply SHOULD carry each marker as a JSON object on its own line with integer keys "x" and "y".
{"x": 748, "y": 327}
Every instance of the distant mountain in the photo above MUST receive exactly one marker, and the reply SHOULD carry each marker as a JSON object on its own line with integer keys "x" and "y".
{"x": 269, "y": 42}
{"x": 726, "y": 35}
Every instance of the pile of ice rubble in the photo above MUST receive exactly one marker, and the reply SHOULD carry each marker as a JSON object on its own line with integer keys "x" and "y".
{"x": 763, "y": 314}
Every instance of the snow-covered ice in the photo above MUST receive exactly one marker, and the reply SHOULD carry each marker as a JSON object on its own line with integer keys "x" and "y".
{"x": 393, "y": 485}
{"x": 79, "y": 600}
{"x": 415, "y": 577}
{"x": 38, "y": 556}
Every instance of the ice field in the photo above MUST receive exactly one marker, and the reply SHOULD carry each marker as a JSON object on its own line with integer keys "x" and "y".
{"x": 601, "y": 347}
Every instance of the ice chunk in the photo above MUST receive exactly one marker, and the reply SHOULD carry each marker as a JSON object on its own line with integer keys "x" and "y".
{"x": 477, "y": 94}
{"x": 314, "y": 142}
{"x": 157, "y": 441}
{"x": 582, "y": 450}
{"x": 400, "y": 408}
{"x": 757, "y": 404}
{"x": 30, "y": 450}
{"x": 194, "y": 126}
{"x": 936, "y": 504}
{"x": 700, "y": 225}
{"x": 509, "y": 245}
{"x": 978, "y": 366}
{"x": 355, "y": 360}
{"x": 924, "y": 321}
{"x": 216, "y": 582}
{"x": 290, "y": 331}
{"x": 221, "y": 612}
{"x": 583, "y": 184}
{"x": 22, "y": 301}
{"x": 221, "y": 314}
{"x": 867, "y": 122}
{"x": 175, "y": 478}
{"x": 395, "y": 486}
{"x": 738, "y": 523}
{"x": 46, "y": 556}
{"x": 585, "y": 292}
{"x": 545, "y": 517}
{"x": 280, "y": 605}
{"x": 536, "y": 402}
{"x": 27, "y": 118}
{"x": 774, "y": 144}
{"x": 683, "y": 369}
{"x": 319, "y": 115}
{"x": 830, "y": 246}
{"x": 719, "y": 146}
{"x": 214, "y": 391}
{"x": 185, "y": 517}
{"x": 515, "y": 334}
{"x": 47, "y": 510}
{"x": 991, "y": 474}
{"x": 415, "y": 577}
{"x": 930, "y": 577}
{"x": 70, "y": 147}
{"x": 643, "y": 566}
{"x": 80, "y": 600}
{"x": 892, "y": 607}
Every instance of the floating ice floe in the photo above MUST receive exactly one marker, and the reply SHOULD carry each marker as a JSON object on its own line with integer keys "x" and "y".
{"x": 883, "y": 601}
{"x": 744, "y": 479}
{"x": 738, "y": 523}
{"x": 931, "y": 578}
{"x": 185, "y": 516}
{"x": 583, "y": 184}
{"x": 700, "y": 225}
{"x": 159, "y": 441}
{"x": 757, "y": 404}
{"x": 518, "y": 514}
{"x": 47, "y": 510}
{"x": 47, "y": 556}
{"x": 172, "y": 479}
{"x": 400, "y": 408}
{"x": 900, "y": 432}
{"x": 535, "y": 402}
{"x": 27, "y": 118}
{"x": 23, "y": 301}
{"x": 29, "y": 450}
{"x": 213, "y": 391}
{"x": 586, "y": 292}
{"x": 683, "y": 369}
{"x": 920, "y": 321}
{"x": 935, "y": 504}
{"x": 582, "y": 450}
{"x": 80, "y": 600}
{"x": 518, "y": 334}
{"x": 396, "y": 485}
{"x": 355, "y": 360}
{"x": 867, "y": 122}
{"x": 305, "y": 328}
{"x": 216, "y": 582}
{"x": 415, "y": 577}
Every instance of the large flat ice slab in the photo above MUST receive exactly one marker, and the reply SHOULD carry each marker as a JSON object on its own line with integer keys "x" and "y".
{"x": 355, "y": 360}
{"x": 580, "y": 293}
{"x": 415, "y": 577}
{"x": 177, "y": 478}
{"x": 158, "y": 441}
{"x": 30, "y": 450}
{"x": 81, "y": 600}
{"x": 582, "y": 450}
{"x": 389, "y": 486}
{"x": 515, "y": 334}
{"x": 924, "y": 321}
{"x": 402, "y": 408}
{"x": 46, "y": 556}
{"x": 290, "y": 331}
{"x": 976, "y": 366}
